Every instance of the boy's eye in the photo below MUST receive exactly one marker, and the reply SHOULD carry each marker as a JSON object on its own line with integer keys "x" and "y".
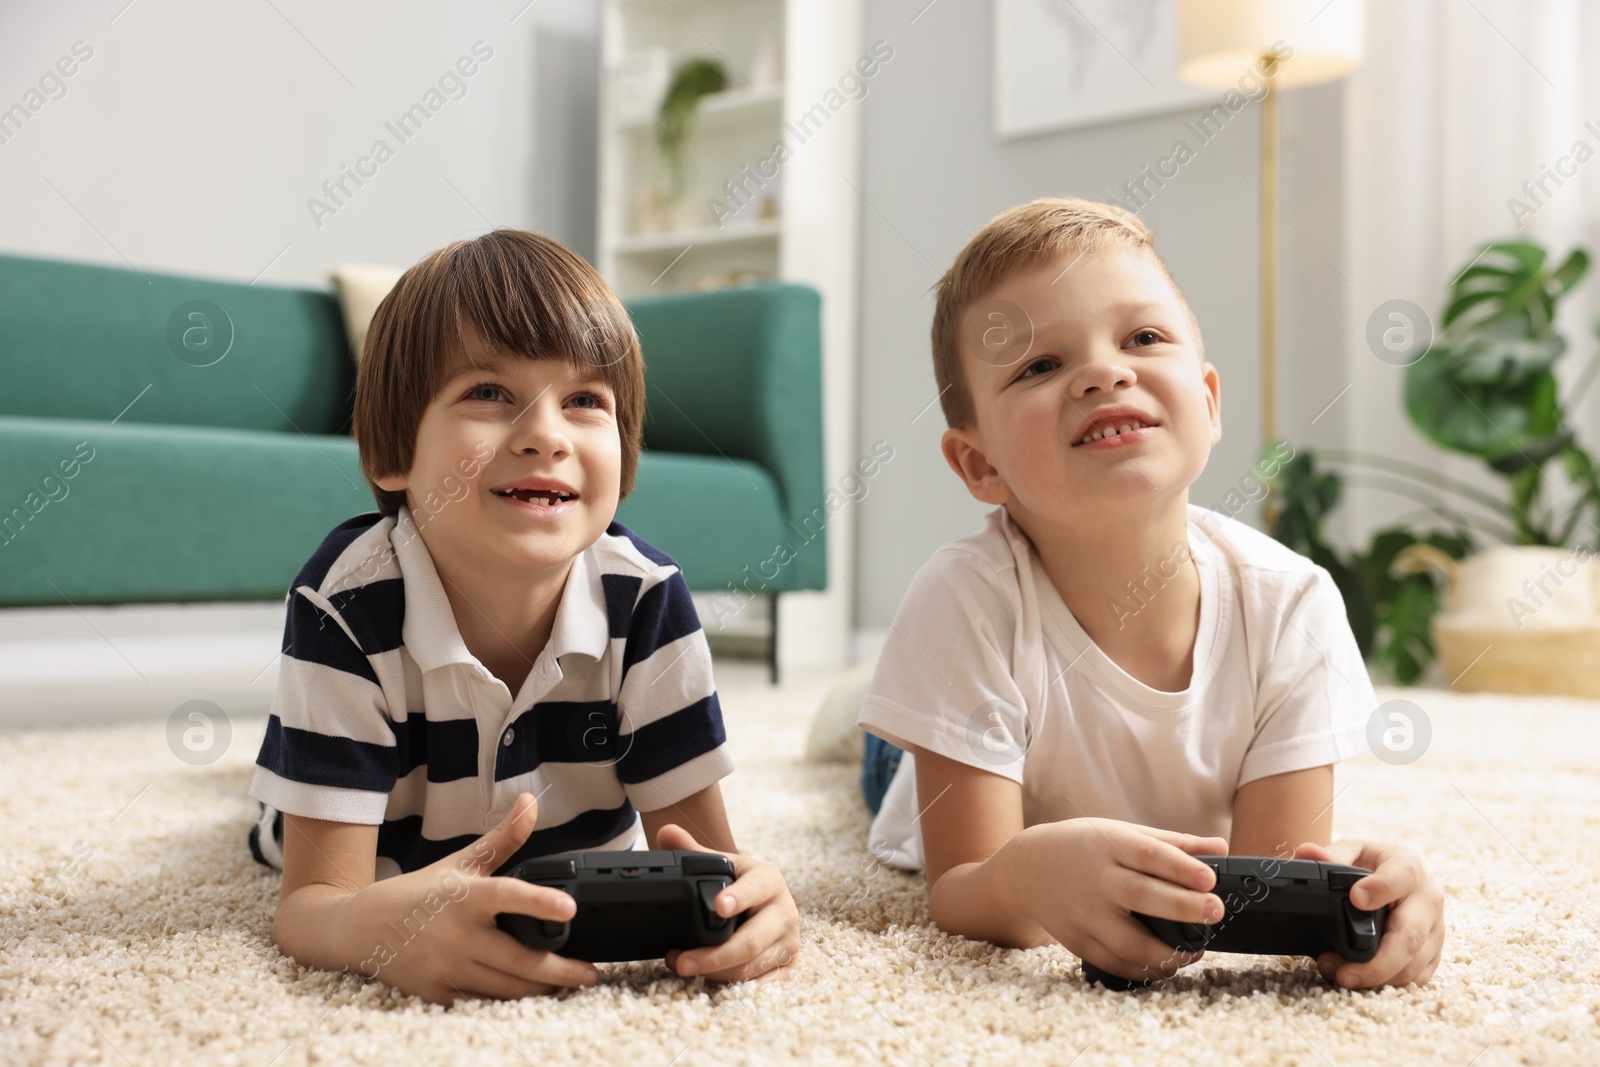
{"x": 482, "y": 387}
{"x": 1039, "y": 366}
{"x": 590, "y": 401}
{"x": 1155, "y": 338}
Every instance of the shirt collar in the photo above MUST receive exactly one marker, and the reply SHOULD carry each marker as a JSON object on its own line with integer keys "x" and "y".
{"x": 430, "y": 631}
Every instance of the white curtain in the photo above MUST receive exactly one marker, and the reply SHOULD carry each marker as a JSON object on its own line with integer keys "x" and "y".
{"x": 1457, "y": 104}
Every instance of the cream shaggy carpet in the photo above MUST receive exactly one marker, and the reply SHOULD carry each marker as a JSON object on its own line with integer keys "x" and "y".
{"x": 134, "y": 927}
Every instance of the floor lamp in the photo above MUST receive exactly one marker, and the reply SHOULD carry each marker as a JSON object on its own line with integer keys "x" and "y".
{"x": 1233, "y": 46}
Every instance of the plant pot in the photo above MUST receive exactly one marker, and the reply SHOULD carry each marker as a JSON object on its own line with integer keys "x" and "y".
{"x": 1550, "y": 662}
{"x": 1517, "y": 619}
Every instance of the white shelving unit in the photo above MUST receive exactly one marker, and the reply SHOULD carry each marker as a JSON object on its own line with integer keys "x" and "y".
{"x": 783, "y": 59}
{"x": 764, "y": 233}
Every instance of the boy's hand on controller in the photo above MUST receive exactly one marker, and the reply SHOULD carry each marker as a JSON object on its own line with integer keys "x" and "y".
{"x": 458, "y": 949}
{"x": 766, "y": 942}
{"x": 1413, "y": 939}
{"x": 1082, "y": 878}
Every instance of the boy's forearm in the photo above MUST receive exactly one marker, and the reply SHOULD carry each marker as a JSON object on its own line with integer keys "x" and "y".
{"x": 313, "y": 925}
{"x": 702, "y": 814}
{"x": 979, "y": 900}
{"x": 1274, "y": 815}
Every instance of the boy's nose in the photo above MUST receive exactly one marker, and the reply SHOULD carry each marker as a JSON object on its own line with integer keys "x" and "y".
{"x": 1099, "y": 375}
{"x": 541, "y": 430}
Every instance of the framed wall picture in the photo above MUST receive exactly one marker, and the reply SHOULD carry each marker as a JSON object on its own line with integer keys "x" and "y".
{"x": 1060, "y": 64}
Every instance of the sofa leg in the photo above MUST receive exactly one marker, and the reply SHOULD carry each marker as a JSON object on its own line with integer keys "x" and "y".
{"x": 772, "y": 644}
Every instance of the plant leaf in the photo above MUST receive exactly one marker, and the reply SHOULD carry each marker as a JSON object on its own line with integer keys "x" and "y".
{"x": 1460, "y": 305}
{"x": 1486, "y": 419}
{"x": 1532, "y": 453}
{"x": 1571, "y": 271}
{"x": 1490, "y": 358}
{"x": 1528, "y": 256}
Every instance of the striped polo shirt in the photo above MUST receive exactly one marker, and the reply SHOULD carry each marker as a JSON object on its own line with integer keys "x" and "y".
{"x": 383, "y": 717}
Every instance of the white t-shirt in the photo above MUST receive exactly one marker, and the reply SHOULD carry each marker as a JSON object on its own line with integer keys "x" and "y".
{"x": 986, "y": 665}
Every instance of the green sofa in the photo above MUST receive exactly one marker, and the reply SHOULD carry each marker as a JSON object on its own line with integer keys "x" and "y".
{"x": 165, "y": 438}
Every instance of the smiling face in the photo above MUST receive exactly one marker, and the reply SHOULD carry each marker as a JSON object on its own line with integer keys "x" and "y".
{"x": 1112, "y": 346}
{"x": 541, "y": 436}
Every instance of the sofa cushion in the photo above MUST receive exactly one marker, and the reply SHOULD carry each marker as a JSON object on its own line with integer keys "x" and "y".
{"x": 84, "y": 342}
{"x": 92, "y": 512}
{"x": 164, "y": 513}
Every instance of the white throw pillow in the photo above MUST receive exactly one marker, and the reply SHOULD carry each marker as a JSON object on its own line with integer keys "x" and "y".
{"x": 361, "y": 287}
{"x": 835, "y": 737}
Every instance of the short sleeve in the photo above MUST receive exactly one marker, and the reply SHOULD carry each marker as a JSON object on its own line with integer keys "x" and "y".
{"x": 330, "y": 750}
{"x": 945, "y": 679}
{"x": 670, "y": 731}
{"x": 1315, "y": 694}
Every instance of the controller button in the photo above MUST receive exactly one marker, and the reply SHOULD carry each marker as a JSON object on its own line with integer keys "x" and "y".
{"x": 1363, "y": 927}
{"x": 1306, "y": 869}
{"x": 543, "y": 869}
{"x": 1341, "y": 881}
{"x": 707, "y": 863}
{"x": 708, "y": 900}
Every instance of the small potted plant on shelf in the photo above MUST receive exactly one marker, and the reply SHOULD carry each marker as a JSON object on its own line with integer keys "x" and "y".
{"x": 693, "y": 80}
{"x": 1520, "y": 616}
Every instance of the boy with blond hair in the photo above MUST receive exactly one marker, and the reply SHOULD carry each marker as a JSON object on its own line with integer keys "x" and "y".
{"x": 489, "y": 667}
{"x": 1107, "y": 681}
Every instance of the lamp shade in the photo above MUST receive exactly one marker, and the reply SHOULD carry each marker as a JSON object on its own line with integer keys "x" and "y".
{"x": 1221, "y": 40}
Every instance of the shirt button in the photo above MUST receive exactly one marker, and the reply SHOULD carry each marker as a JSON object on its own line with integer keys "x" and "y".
{"x": 506, "y": 740}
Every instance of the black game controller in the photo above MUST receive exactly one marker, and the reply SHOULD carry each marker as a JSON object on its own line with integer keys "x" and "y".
{"x": 1272, "y": 907}
{"x": 632, "y": 905}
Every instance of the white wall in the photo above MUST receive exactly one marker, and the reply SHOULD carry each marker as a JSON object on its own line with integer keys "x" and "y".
{"x": 192, "y": 138}
{"x": 934, "y": 174}
{"x": 1455, "y": 109}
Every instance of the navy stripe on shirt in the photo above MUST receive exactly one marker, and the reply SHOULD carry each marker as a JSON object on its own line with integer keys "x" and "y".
{"x": 560, "y": 731}
{"x": 322, "y": 759}
{"x": 645, "y": 548}
{"x": 622, "y": 591}
{"x": 657, "y": 747}
{"x": 448, "y": 747}
{"x": 327, "y": 554}
{"x": 664, "y": 614}
{"x": 402, "y": 840}
{"x": 375, "y": 612}
{"x": 312, "y": 635}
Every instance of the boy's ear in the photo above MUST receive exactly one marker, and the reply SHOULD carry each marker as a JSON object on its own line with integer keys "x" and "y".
{"x": 963, "y": 450}
{"x": 1211, "y": 385}
{"x": 391, "y": 483}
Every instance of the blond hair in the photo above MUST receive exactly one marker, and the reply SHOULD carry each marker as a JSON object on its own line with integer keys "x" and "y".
{"x": 1040, "y": 231}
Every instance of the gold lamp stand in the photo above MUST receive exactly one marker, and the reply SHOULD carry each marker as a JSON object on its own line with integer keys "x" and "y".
{"x": 1221, "y": 43}
{"x": 1269, "y": 273}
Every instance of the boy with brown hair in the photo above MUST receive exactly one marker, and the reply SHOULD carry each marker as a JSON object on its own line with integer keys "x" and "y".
{"x": 489, "y": 667}
{"x": 1107, "y": 680}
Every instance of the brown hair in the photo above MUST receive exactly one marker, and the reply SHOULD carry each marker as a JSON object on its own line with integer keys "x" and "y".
{"x": 1022, "y": 237}
{"x": 528, "y": 296}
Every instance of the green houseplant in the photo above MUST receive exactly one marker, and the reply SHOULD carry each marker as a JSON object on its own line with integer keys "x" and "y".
{"x": 1485, "y": 387}
{"x": 694, "y": 78}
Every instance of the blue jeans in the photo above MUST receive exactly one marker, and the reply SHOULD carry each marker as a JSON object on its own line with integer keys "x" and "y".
{"x": 877, "y": 770}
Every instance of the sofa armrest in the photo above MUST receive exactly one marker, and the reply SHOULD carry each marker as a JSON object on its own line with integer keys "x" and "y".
{"x": 738, "y": 373}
